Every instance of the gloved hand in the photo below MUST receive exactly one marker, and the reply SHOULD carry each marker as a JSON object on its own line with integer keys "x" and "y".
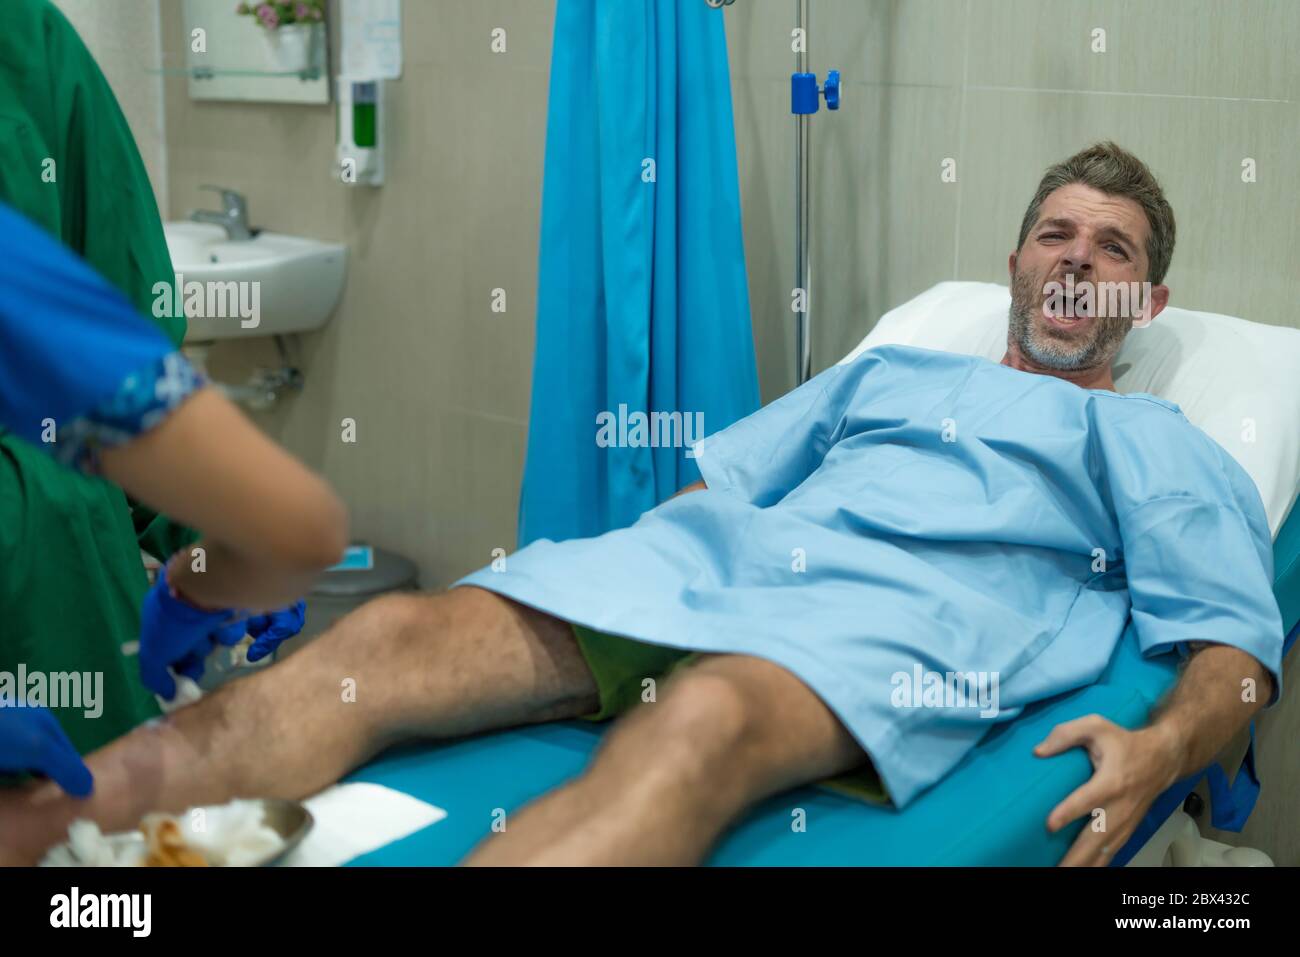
{"x": 32, "y": 740}
{"x": 269, "y": 630}
{"x": 175, "y": 634}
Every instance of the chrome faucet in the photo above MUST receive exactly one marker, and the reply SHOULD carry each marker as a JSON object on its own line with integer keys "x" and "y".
{"x": 233, "y": 217}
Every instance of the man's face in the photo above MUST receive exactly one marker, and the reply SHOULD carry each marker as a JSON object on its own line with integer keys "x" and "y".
{"x": 1094, "y": 238}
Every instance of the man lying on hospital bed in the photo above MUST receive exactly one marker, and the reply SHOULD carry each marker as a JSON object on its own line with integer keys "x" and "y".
{"x": 909, "y": 514}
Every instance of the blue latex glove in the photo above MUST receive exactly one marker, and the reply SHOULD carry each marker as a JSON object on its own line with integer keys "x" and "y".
{"x": 269, "y": 630}
{"x": 32, "y": 740}
{"x": 175, "y": 634}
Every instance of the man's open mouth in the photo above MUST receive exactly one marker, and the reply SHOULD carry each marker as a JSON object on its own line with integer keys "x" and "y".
{"x": 1067, "y": 312}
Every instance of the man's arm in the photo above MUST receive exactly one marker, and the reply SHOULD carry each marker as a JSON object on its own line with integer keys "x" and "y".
{"x": 1218, "y": 693}
{"x": 1198, "y": 566}
{"x": 1221, "y": 689}
{"x": 693, "y": 487}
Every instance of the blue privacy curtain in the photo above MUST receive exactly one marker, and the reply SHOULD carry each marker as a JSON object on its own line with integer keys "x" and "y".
{"x": 642, "y": 300}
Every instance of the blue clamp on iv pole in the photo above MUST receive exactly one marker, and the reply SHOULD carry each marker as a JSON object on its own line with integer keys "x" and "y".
{"x": 805, "y": 96}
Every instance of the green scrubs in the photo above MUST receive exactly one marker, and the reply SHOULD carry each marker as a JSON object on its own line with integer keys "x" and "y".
{"x": 71, "y": 575}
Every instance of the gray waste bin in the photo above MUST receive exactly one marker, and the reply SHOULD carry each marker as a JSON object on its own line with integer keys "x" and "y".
{"x": 336, "y": 593}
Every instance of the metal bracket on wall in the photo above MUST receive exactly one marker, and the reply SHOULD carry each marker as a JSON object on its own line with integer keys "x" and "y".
{"x": 265, "y": 387}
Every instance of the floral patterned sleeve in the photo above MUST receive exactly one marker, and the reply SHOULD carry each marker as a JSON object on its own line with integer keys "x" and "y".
{"x": 145, "y": 398}
{"x": 80, "y": 369}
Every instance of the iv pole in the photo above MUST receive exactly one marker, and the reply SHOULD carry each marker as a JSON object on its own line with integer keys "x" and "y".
{"x": 802, "y": 197}
{"x": 805, "y": 98}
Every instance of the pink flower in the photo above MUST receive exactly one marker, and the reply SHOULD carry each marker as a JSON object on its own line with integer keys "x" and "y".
{"x": 302, "y": 11}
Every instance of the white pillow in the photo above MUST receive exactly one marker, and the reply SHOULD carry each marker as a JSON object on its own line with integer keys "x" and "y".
{"x": 1224, "y": 373}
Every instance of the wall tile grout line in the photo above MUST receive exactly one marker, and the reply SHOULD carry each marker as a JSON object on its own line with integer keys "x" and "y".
{"x": 1168, "y": 96}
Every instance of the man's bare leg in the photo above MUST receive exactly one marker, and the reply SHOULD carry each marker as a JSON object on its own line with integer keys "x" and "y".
{"x": 672, "y": 775}
{"x": 421, "y": 666}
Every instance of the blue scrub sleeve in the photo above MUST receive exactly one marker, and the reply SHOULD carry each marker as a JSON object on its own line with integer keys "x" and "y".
{"x": 765, "y": 456}
{"x": 1198, "y": 572}
{"x": 79, "y": 367}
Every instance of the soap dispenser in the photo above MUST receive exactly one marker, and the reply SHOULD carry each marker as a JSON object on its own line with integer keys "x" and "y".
{"x": 361, "y": 131}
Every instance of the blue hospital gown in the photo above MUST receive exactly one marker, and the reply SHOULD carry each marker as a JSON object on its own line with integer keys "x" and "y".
{"x": 918, "y": 513}
{"x": 80, "y": 369}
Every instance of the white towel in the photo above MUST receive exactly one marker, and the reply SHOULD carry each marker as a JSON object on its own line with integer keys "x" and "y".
{"x": 357, "y": 818}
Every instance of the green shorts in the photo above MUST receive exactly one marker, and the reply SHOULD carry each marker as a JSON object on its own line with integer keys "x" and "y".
{"x": 622, "y": 665}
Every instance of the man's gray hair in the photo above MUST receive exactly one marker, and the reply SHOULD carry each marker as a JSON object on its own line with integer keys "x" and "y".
{"x": 1117, "y": 172}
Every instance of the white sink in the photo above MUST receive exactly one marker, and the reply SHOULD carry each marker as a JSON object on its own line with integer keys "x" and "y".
{"x": 284, "y": 283}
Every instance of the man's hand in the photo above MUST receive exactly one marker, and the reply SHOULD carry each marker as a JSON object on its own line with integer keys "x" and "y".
{"x": 1220, "y": 690}
{"x": 1130, "y": 770}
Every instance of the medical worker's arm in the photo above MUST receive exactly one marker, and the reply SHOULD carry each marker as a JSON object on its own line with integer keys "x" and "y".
{"x": 83, "y": 375}
{"x": 100, "y": 204}
{"x": 274, "y": 526}
{"x": 766, "y": 455}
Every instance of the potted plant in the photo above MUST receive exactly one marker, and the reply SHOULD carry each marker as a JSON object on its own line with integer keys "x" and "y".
{"x": 292, "y": 29}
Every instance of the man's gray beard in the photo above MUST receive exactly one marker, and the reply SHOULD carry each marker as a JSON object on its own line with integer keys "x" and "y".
{"x": 1108, "y": 333}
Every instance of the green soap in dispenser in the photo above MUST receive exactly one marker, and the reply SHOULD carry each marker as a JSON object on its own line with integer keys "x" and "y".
{"x": 364, "y": 107}
{"x": 360, "y": 131}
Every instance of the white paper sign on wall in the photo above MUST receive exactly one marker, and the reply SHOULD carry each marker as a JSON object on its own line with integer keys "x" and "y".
{"x": 372, "y": 39}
